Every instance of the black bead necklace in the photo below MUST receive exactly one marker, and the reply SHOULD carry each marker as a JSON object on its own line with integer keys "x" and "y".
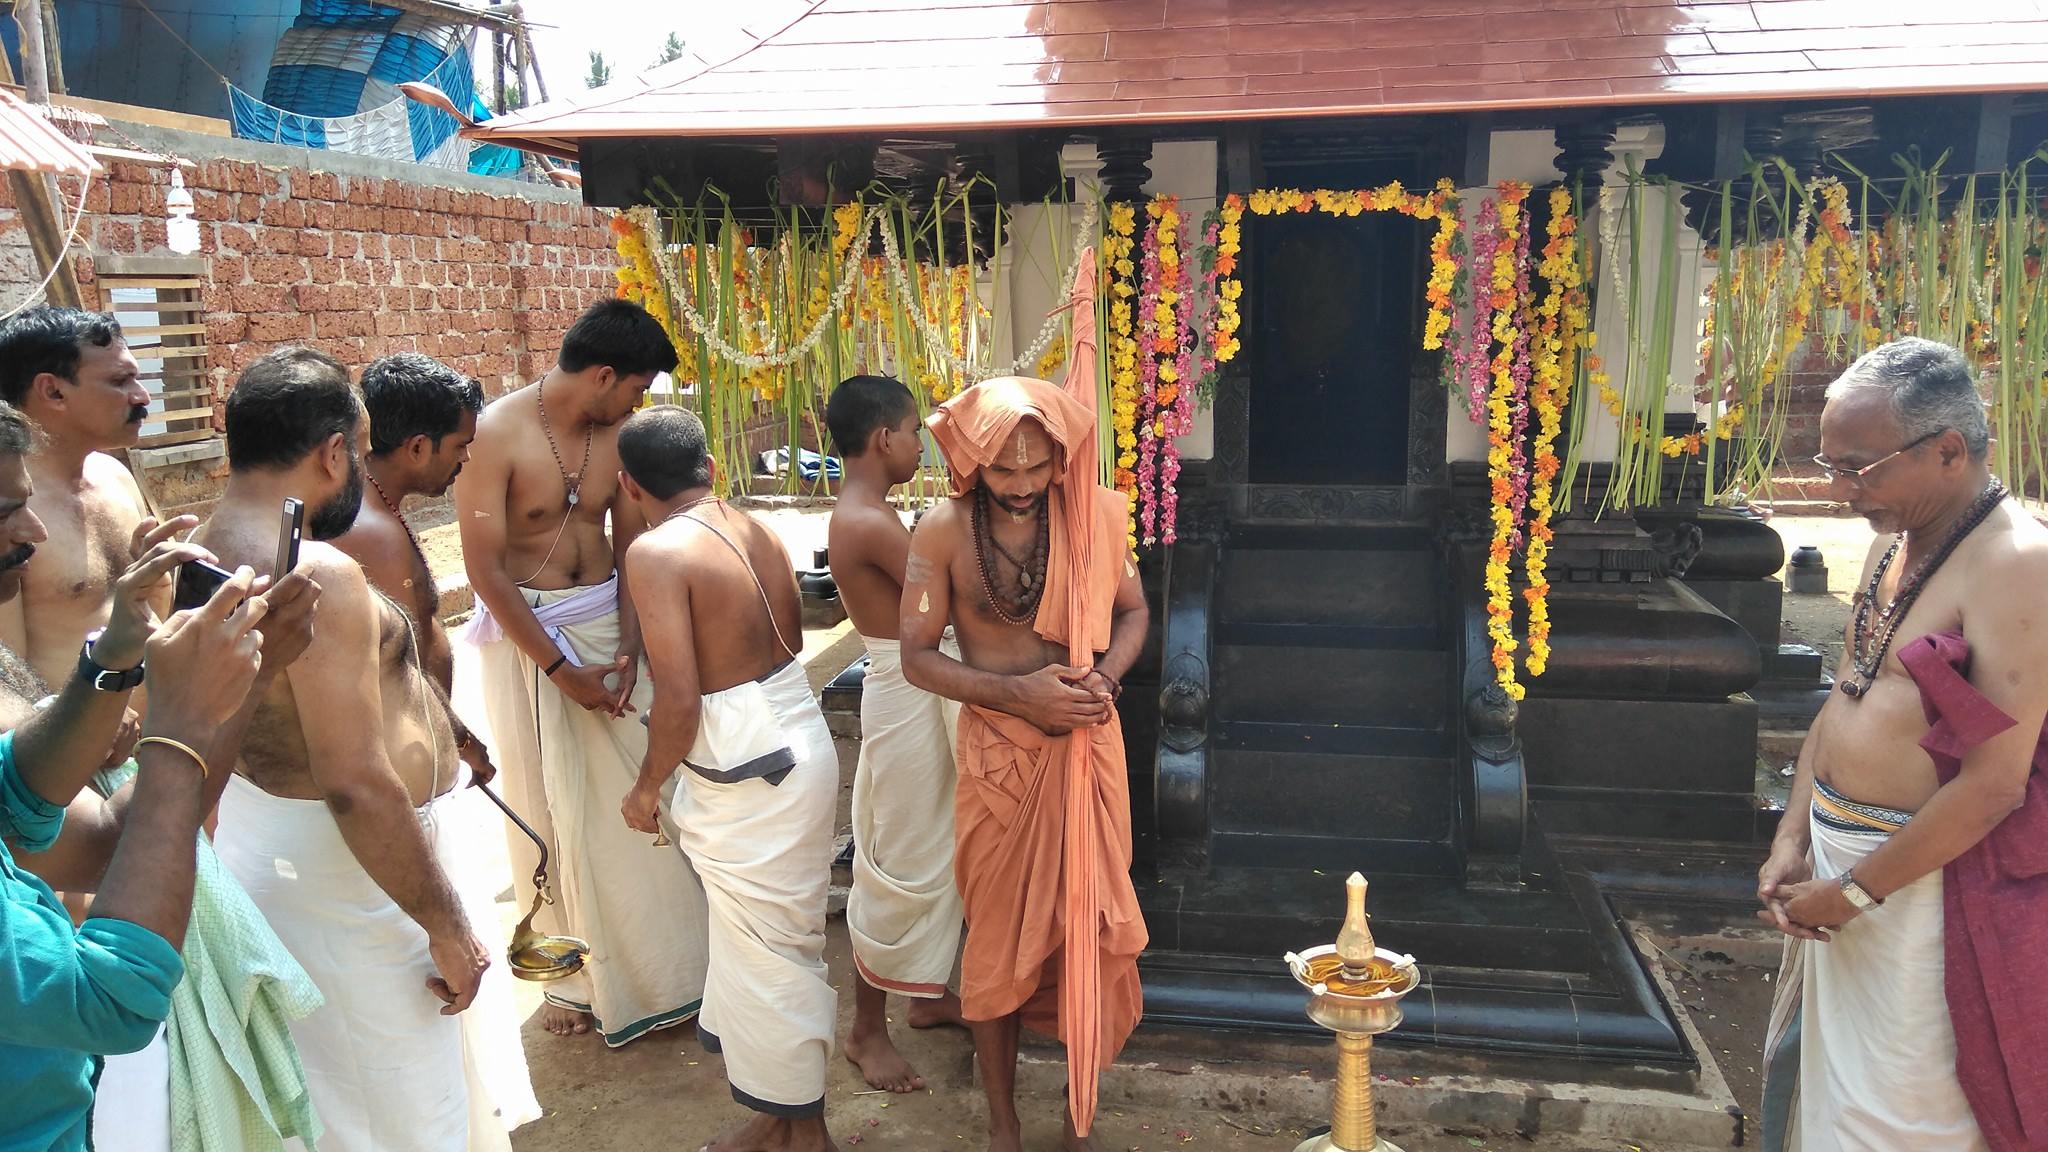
{"x": 1871, "y": 644}
{"x": 1023, "y": 606}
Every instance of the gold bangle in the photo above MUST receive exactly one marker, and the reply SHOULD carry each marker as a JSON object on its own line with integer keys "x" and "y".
{"x": 205, "y": 773}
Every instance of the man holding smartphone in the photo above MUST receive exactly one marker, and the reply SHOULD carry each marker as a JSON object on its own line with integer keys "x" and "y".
{"x": 329, "y": 822}
{"x": 67, "y": 995}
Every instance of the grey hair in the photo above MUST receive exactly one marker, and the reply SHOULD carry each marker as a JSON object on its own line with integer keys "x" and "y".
{"x": 17, "y": 435}
{"x": 1931, "y": 388}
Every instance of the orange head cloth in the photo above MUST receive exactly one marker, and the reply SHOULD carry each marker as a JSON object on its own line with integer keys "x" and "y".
{"x": 971, "y": 429}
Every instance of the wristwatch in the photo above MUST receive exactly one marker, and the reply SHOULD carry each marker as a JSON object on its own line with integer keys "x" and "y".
{"x": 1856, "y": 894}
{"x": 101, "y": 678}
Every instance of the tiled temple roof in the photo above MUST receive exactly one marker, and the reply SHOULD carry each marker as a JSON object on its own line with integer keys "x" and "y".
{"x": 824, "y": 66}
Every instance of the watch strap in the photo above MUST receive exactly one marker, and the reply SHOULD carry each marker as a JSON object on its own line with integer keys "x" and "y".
{"x": 1857, "y": 894}
{"x": 105, "y": 679}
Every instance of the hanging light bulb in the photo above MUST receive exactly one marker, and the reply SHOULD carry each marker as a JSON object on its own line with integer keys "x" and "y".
{"x": 181, "y": 226}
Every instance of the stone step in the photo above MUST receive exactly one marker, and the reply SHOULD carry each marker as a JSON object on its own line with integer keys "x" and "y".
{"x": 1334, "y": 739}
{"x": 1795, "y": 662}
{"x": 1375, "y": 687}
{"x": 1347, "y": 798}
{"x": 1234, "y": 910}
{"x": 1287, "y": 582}
{"x": 1255, "y": 848}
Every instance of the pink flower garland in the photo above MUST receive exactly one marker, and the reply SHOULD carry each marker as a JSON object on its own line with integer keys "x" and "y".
{"x": 1474, "y": 352}
{"x": 1179, "y": 420}
{"x": 1148, "y": 378}
{"x": 1524, "y": 323}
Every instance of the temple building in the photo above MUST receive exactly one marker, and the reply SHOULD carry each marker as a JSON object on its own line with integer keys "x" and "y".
{"x": 1324, "y": 688}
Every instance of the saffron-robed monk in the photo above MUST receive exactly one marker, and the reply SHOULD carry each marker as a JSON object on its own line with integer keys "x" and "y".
{"x": 1911, "y": 866}
{"x": 999, "y": 561}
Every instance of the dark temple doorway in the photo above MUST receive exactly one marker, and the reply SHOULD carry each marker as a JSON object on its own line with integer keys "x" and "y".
{"x": 1335, "y": 331}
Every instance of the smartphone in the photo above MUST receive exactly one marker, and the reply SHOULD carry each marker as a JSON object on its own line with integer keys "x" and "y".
{"x": 197, "y": 582}
{"x": 290, "y": 527}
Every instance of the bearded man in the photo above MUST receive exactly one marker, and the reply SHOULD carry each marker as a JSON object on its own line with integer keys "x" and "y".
{"x": 1029, "y": 564}
{"x": 329, "y": 823}
{"x": 1910, "y": 871}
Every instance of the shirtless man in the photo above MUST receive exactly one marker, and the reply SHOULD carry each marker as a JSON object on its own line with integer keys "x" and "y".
{"x": 72, "y": 374}
{"x": 558, "y": 654}
{"x": 328, "y": 823}
{"x": 754, "y": 809}
{"x": 904, "y": 911}
{"x": 988, "y": 562}
{"x": 1880, "y": 840}
{"x": 422, "y": 419}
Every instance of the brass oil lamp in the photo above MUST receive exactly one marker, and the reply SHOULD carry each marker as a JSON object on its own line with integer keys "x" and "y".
{"x": 534, "y": 955}
{"x": 1355, "y": 990}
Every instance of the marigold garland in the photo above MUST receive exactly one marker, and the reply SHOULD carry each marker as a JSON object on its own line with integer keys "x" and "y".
{"x": 1438, "y": 204}
{"x": 1118, "y": 272}
{"x": 1562, "y": 332}
{"x": 1500, "y": 613}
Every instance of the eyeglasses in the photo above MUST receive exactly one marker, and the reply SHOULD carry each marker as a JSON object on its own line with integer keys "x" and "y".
{"x": 1856, "y": 475}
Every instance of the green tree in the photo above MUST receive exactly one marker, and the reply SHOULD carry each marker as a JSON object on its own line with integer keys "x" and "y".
{"x": 671, "y": 49}
{"x": 600, "y": 72}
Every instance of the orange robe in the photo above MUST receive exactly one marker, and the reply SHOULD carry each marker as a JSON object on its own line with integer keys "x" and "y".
{"x": 1043, "y": 823}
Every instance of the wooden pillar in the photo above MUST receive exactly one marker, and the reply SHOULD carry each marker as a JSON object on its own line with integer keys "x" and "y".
{"x": 1126, "y": 161}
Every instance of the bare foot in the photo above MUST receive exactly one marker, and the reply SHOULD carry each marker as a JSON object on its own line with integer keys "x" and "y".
{"x": 880, "y": 1064}
{"x": 563, "y": 1021}
{"x": 939, "y": 1013}
{"x": 1071, "y": 1142}
{"x": 1005, "y": 1137}
{"x": 765, "y": 1133}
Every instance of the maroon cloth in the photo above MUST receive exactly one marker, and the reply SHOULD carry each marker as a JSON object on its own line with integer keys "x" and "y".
{"x": 1995, "y": 909}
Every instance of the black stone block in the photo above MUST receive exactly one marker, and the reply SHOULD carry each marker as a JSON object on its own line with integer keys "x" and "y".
{"x": 1379, "y": 797}
{"x": 1757, "y": 605}
{"x": 1640, "y": 745}
{"x": 1361, "y": 686}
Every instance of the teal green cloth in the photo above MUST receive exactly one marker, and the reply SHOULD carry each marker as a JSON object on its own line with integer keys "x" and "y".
{"x": 236, "y": 1081}
{"x": 67, "y": 996}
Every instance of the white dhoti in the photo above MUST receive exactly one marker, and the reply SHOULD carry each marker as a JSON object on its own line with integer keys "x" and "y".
{"x": 1874, "y": 1052}
{"x": 754, "y": 804}
{"x": 566, "y": 771}
{"x": 383, "y": 1066}
{"x": 904, "y": 911}
{"x": 131, "y": 1104}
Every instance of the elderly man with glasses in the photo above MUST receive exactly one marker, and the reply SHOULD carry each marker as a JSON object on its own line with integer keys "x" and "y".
{"x": 1910, "y": 872}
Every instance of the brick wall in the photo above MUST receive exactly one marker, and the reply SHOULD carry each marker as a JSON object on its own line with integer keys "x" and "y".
{"x": 353, "y": 256}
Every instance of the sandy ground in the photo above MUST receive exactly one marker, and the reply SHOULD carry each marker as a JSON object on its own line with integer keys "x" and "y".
{"x": 665, "y": 1091}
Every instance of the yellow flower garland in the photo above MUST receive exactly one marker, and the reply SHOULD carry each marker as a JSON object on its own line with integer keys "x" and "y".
{"x": 1500, "y": 613}
{"x": 1391, "y": 197}
{"x": 1223, "y": 340}
{"x": 1562, "y": 332}
{"x": 1117, "y": 247}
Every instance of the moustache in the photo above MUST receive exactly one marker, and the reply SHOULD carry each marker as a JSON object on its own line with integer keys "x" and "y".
{"x": 17, "y": 556}
{"x": 138, "y": 413}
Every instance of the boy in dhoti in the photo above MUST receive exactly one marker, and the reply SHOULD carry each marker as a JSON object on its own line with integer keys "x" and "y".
{"x": 1028, "y": 561}
{"x": 904, "y": 911}
{"x": 733, "y": 708}
{"x": 558, "y": 646}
